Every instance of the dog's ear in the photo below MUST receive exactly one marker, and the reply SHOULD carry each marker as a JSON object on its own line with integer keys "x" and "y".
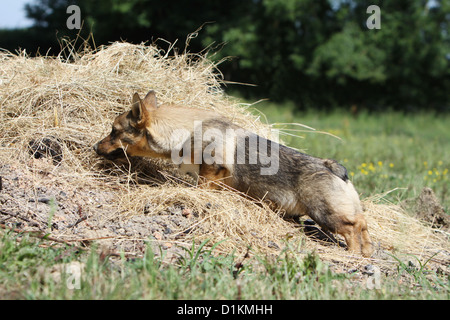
{"x": 149, "y": 101}
{"x": 136, "y": 109}
{"x": 140, "y": 108}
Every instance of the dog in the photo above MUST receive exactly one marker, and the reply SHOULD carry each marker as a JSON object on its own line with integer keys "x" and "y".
{"x": 222, "y": 153}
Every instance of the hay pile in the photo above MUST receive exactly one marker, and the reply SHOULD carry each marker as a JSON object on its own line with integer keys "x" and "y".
{"x": 71, "y": 101}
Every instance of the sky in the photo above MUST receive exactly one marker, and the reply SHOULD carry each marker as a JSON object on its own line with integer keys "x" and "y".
{"x": 12, "y": 14}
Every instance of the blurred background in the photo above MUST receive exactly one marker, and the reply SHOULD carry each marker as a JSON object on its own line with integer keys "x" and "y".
{"x": 313, "y": 53}
{"x": 385, "y": 92}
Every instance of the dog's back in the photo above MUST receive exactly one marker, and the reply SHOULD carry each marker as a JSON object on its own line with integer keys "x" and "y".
{"x": 306, "y": 185}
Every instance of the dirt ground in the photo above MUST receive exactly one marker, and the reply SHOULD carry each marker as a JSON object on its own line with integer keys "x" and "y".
{"x": 35, "y": 199}
{"x": 43, "y": 197}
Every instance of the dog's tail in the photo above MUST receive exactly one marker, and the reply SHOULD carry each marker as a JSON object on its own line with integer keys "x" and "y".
{"x": 336, "y": 168}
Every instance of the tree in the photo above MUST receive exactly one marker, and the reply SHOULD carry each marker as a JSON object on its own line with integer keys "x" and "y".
{"x": 317, "y": 53}
{"x": 321, "y": 53}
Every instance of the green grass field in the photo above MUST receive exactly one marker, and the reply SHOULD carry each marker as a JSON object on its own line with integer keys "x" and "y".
{"x": 383, "y": 153}
{"x": 30, "y": 270}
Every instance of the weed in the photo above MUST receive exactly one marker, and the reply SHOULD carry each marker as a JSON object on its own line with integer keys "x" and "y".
{"x": 422, "y": 277}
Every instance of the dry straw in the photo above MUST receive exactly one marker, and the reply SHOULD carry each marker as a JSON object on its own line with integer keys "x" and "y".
{"x": 74, "y": 97}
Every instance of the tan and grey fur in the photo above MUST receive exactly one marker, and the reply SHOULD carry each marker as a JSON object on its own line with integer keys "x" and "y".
{"x": 303, "y": 184}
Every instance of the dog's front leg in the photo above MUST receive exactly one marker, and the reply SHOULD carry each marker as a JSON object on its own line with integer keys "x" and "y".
{"x": 214, "y": 176}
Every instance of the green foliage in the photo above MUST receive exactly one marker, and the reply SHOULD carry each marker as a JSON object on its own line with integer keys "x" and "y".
{"x": 421, "y": 275}
{"x": 29, "y": 269}
{"x": 346, "y": 56}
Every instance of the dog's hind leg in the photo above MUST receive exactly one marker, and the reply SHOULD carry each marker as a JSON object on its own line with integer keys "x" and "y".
{"x": 366, "y": 242}
{"x": 354, "y": 231}
{"x": 347, "y": 218}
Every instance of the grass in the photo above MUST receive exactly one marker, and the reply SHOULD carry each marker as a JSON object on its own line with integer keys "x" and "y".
{"x": 382, "y": 152}
{"x": 31, "y": 270}
{"x": 68, "y": 98}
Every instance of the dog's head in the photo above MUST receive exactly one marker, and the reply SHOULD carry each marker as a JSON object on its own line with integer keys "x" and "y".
{"x": 129, "y": 130}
